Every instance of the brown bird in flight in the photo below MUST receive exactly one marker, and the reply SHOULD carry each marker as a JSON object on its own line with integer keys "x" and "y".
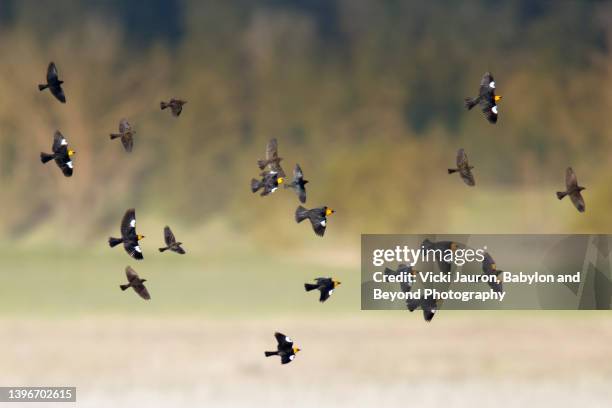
{"x": 171, "y": 243}
{"x": 135, "y": 283}
{"x": 272, "y": 159}
{"x": 464, "y": 168}
{"x": 572, "y": 190}
{"x": 175, "y": 105}
{"x": 126, "y": 133}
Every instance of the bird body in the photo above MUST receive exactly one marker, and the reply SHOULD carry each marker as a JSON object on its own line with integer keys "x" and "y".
{"x": 171, "y": 243}
{"x": 317, "y": 217}
{"x": 129, "y": 237}
{"x": 269, "y": 183}
{"x": 486, "y": 98}
{"x": 489, "y": 268}
{"x": 126, "y": 133}
{"x": 284, "y": 349}
{"x": 53, "y": 83}
{"x": 573, "y": 190}
{"x": 298, "y": 184}
{"x": 325, "y": 285}
{"x": 175, "y": 105}
{"x": 464, "y": 168}
{"x": 402, "y": 269}
{"x": 428, "y": 305}
{"x": 135, "y": 283}
{"x": 62, "y": 154}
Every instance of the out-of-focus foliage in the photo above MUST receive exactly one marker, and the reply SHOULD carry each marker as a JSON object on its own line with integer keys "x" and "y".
{"x": 366, "y": 95}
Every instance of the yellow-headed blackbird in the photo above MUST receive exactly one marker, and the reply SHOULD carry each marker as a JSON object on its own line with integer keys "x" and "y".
{"x": 402, "y": 269}
{"x": 486, "y": 98}
{"x": 175, "y": 105}
{"x": 135, "y": 283}
{"x": 272, "y": 160}
{"x": 572, "y": 189}
{"x": 53, "y": 83}
{"x": 269, "y": 183}
{"x": 62, "y": 154}
{"x": 317, "y": 217}
{"x": 490, "y": 268}
{"x": 325, "y": 285}
{"x": 428, "y": 304}
{"x": 129, "y": 237}
{"x": 464, "y": 168}
{"x": 171, "y": 243}
{"x": 126, "y": 133}
{"x": 298, "y": 184}
{"x": 284, "y": 349}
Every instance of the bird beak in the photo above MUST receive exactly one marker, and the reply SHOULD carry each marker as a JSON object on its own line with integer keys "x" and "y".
{"x": 140, "y": 237}
{"x": 71, "y": 152}
{"x": 280, "y": 180}
{"x": 329, "y": 211}
{"x": 498, "y": 98}
{"x": 296, "y": 350}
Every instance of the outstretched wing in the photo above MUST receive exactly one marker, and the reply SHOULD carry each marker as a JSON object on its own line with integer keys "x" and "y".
{"x": 128, "y": 142}
{"x": 272, "y": 149}
{"x": 468, "y": 177}
{"x": 128, "y": 224}
{"x": 570, "y": 179}
{"x": 169, "y": 236}
{"x": 462, "y": 158}
{"x": 284, "y": 342}
{"x": 65, "y": 164}
{"x": 131, "y": 274}
{"x": 578, "y": 201}
{"x": 318, "y": 224}
{"x": 52, "y": 74}
{"x": 487, "y": 84}
{"x": 60, "y": 144}
{"x": 297, "y": 173}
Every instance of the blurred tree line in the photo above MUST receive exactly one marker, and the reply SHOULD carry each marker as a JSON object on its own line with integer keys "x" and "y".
{"x": 366, "y": 95}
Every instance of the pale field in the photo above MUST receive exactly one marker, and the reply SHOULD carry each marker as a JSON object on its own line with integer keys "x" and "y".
{"x": 394, "y": 359}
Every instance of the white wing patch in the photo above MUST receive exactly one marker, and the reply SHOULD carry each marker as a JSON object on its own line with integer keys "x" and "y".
{"x": 330, "y": 292}
{"x": 64, "y": 142}
{"x": 288, "y": 339}
{"x": 137, "y": 249}
{"x": 323, "y": 223}
{"x": 492, "y": 84}
{"x": 69, "y": 164}
{"x": 133, "y": 223}
{"x": 291, "y": 357}
{"x": 494, "y": 109}
{"x": 274, "y": 189}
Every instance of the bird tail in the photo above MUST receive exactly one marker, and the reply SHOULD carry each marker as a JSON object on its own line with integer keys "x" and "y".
{"x": 561, "y": 194}
{"x": 42, "y": 87}
{"x": 45, "y": 157}
{"x": 301, "y": 214}
{"x": 256, "y": 185}
{"x": 163, "y": 105}
{"x": 412, "y": 304}
{"x": 471, "y": 102}
{"x": 310, "y": 286}
{"x": 114, "y": 241}
{"x": 124, "y": 287}
{"x": 163, "y": 249}
{"x": 114, "y": 136}
{"x": 271, "y": 353}
{"x": 261, "y": 164}
{"x": 451, "y": 171}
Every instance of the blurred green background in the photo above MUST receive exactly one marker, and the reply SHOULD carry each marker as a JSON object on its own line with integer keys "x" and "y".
{"x": 367, "y": 96}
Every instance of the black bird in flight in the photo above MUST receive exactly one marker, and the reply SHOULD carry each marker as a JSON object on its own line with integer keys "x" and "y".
{"x": 129, "y": 237}
{"x": 464, "y": 168}
{"x": 62, "y": 154}
{"x": 486, "y": 98}
{"x": 317, "y": 217}
{"x": 53, "y": 83}
{"x": 428, "y": 304}
{"x": 272, "y": 160}
{"x": 572, "y": 189}
{"x": 175, "y": 105}
{"x": 325, "y": 285}
{"x": 135, "y": 283}
{"x": 489, "y": 267}
{"x": 269, "y": 183}
{"x": 171, "y": 243}
{"x": 284, "y": 349}
{"x": 298, "y": 184}
{"x": 401, "y": 269}
{"x": 126, "y": 133}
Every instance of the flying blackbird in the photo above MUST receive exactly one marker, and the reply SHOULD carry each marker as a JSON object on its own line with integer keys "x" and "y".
{"x": 298, "y": 184}
{"x": 171, "y": 243}
{"x": 317, "y": 217}
{"x": 135, "y": 283}
{"x": 402, "y": 268}
{"x": 325, "y": 285}
{"x": 486, "y": 98}
{"x": 129, "y": 237}
{"x": 126, "y": 133}
{"x": 62, "y": 154}
{"x": 272, "y": 160}
{"x": 269, "y": 183}
{"x": 53, "y": 83}
{"x": 428, "y": 304}
{"x": 175, "y": 105}
{"x": 573, "y": 190}
{"x": 464, "y": 168}
{"x": 285, "y": 349}
{"x": 490, "y": 268}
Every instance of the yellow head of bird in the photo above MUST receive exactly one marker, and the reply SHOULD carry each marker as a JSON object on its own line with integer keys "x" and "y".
{"x": 296, "y": 350}
{"x": 328, "y": 211}
{"x": 71, "y": 152}
{"x": 336, "y": 283}
{"x": 280, "y": 180}
{"x": 139, "y": 237}
{"x": 497, "y": 98}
